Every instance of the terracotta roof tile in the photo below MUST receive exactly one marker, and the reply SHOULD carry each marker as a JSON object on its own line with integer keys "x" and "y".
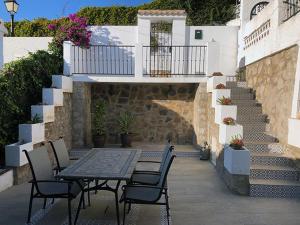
{"x": 162, "y": 13}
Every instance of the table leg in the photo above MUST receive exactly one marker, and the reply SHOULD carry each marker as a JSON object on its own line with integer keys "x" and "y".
{"x": 117, "y": 201}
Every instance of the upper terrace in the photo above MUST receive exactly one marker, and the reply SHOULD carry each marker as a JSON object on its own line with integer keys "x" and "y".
{"x": 160, "y": 49}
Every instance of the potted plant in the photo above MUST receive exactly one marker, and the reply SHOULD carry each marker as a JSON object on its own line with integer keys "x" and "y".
{"x": 229, "y": 129}
{"x": 125, "y": 122}
{"x": 224, "y": 109}
{"x": 237, "y": 157}
{"x": 32, "y": 131}
{"x": 229, "y": 121}
{"x": 216, "y": 79}
{"x": 220, "y": 86}
{"x": 99, "y": 137}
{"x": 205, "y": 151}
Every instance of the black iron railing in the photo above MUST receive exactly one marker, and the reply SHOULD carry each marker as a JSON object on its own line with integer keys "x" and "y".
{"x": 104, "y": 60}
{"x": 292, "y": 8}
{"x": 166, "y": 61}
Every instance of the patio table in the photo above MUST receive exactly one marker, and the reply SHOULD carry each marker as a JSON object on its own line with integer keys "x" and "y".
{"x": 104, "y": 164}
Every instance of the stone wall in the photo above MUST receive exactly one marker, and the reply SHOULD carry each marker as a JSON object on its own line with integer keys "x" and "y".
{"x": 61, "y": 127}
{"x": 273, "y": 79}
{"x": 161, "y": 111}
{"x": 81, "y": 117}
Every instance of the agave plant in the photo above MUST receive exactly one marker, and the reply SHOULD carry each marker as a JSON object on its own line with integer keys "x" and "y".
{"x": 125, "y": 122}
{"x": 217, "y": 74}
{"x": 237, "y": 142}
{"x": 224, "y": 101}
{"x": 100, "y": 117}
{"x": 35, "y": 119}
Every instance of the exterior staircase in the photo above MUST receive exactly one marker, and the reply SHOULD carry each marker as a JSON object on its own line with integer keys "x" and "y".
{"x": 272, "y": 172}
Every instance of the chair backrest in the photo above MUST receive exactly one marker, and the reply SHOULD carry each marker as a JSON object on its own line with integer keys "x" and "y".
{"x": 165, "y": 170}
{"x": 61, "y": 153}
{"x": 40, "y": 164}
{"x": 167, "y": 150}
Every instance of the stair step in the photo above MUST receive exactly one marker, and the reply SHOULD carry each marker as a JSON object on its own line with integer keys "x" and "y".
{"x": 253, "y": 127}
{"x": 249, "y": 109}
{"x": 248, "y": 118}
{"x": 264, "y": 147}
{"x": 258, "y": 137}
{"x": 271, "y": 159}
{"x": 240, "y": 90}
{"x": 243, "y": 102}
{"x": 233, "y": 84}
{"x": 274, "y": 172}
{"x": 244, "y": 96}
{"x": 274, "y": 188}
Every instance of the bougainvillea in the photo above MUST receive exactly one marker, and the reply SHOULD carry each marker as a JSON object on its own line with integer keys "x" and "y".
{"x": 237, "y": 143}
{"x": 74, "y": 30}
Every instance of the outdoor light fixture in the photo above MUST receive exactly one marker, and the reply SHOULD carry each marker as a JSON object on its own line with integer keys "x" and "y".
{"x": 11, "y": 7}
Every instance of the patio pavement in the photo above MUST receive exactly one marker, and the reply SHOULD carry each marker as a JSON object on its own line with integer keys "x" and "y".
{"x": 198, "y": 197}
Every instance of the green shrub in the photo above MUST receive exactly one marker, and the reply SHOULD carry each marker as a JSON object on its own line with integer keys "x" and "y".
{"x": 21, "y": 84}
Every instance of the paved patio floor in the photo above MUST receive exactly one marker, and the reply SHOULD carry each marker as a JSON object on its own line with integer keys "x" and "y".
{"x": 198, "y": 197}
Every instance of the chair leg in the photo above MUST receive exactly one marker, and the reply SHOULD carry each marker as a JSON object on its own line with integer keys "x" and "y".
{"x": 129, "y": 208}
{"x": 97, "y": 183}
{"x": 52, "y": 201}
{"x": 124, "y": 213}
{"x": 70, "y": 211}
{"x": 167, "y": 205}
{"x": 117, "y": 207}
{"x": 89, "y": 195}
{"x": 79, "y": 207}
{"x": 45, "y": 202}
{"x": 83, "y": 205}
{"x": 30, "y": 204}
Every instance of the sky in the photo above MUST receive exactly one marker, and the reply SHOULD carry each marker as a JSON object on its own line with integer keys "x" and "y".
{"x": 31, "y": 9}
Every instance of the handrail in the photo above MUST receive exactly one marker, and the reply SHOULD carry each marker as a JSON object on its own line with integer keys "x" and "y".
{"x": 292, "y": 8}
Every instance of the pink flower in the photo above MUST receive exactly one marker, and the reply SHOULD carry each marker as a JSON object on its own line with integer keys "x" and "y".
{"x": 52, "y": 27}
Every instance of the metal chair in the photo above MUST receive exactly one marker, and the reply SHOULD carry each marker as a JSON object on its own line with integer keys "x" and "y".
{"x": 148, "y": 194}
{"x": 152, "y": 177}
{"x": 63, "y": 160}
{"x": 45, "y": 185}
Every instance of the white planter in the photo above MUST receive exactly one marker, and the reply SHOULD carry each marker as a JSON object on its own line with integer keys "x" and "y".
{"x": 34, "y": 133}
{"x": 219, "y": 93}
{"x": 45, "y": 112}
{"x": 294, "y": 132}
{"x": 237, "y": 161}
{"x": 223, "y": 111}
{"x": 63, "y": 82}
{"x": 53, "y": 96}
{"x": 226, "y": 132}
{"x": 212, "y": 82}
{"x": 14, "y": 155}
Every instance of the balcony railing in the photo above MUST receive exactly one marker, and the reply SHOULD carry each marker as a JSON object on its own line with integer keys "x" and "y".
{"x": 104, "y": 60}
{"x": 292, "y": 8}
{"x": 167, "y": 61}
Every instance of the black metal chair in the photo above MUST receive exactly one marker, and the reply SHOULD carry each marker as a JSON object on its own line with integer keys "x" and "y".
{"x": 148, "y": 194}
{"x": 44, "y": 185}
{"x": 152, "y": 177}
{"x": 63, "y": 160}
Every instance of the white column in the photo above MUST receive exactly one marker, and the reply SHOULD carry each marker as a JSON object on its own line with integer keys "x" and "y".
{"x": 212, "y": 58}
{"x": 139, "y": 62}
{"x": 68, "y": 58}
{"x": 3, "y": 31}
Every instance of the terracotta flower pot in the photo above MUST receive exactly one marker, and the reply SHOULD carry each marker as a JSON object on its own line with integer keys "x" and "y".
{"x": 99, "y": 141}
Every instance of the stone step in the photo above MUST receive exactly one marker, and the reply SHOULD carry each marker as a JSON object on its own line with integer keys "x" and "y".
{"x": 265, "y": 147}
{"x": 252, "y": 109}
{"x": 248, "y": 118}
{"x": 258, "y": 137}
{"x": 243, "y": 102}
{"x": 240, "y": 90}
{"x": 274, "y": 172}
{"x": 274, "y": 188}
{"x": 232, "y": 84}
{"x": 256, "y": 126}
{"x": 244, "y": 96}
{"x": 271, "y": 159}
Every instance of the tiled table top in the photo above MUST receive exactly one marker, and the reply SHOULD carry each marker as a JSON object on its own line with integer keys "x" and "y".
{"x": 104, "y": 164}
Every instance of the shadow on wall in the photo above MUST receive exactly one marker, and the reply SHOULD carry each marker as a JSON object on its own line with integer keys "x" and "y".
{"x": 161, "y": 111}
{"x": 107, "y": 55}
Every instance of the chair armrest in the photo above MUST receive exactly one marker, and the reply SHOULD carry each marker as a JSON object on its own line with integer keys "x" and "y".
{"x": 54, "y": 181}
{"x": 139, "y": 186}
{"x": 146, "y": 172}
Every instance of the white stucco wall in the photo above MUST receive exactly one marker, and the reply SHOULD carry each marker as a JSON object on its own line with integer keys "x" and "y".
{"x": 17, "y": 47}
{"x": 227, "y": 39}
{"x": 114, "y": 35}
{"x": 3, "y": 31}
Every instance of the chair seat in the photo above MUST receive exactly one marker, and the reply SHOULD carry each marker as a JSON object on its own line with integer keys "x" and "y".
{"x": 142, "y": 194}
{"x": 54, "y": 188}
{"x": 144, "y": 178}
